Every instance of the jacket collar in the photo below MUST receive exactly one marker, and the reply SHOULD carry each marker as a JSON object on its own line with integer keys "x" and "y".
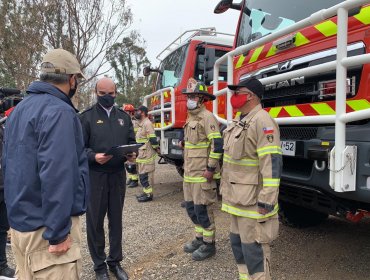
{"x": 246, "y": 119}
{"x": 38, "y": 87}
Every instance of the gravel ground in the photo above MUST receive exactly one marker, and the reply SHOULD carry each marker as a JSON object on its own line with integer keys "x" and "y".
{"x": 155, "y": 232}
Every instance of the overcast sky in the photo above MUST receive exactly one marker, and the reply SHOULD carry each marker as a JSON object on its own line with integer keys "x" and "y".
{"x": 162, "y": 21}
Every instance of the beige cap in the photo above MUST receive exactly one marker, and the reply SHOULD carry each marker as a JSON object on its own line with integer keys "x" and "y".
{"x": 63, "y": 61}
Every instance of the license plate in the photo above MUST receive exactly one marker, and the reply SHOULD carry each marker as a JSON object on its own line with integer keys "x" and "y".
{"x": 288, "y": 148}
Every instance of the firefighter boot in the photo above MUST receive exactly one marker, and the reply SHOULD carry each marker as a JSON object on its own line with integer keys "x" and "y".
{"x": 145, "y": 198}
{"x": 205, "y": 251}
{"x": 133, "y": 184}
{"x": 193, "y": 245}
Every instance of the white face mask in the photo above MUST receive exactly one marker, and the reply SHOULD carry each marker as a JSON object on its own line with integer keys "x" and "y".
{"x": 192, "y": 104}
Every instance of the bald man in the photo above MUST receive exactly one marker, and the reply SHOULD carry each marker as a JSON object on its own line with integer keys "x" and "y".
{"x": 105, "y": 126}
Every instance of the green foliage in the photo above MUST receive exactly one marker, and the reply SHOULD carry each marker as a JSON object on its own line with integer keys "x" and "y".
{"x": 93, "y": 30}
{"x": 21, "y": 43}
{"x": 128, "y": 58}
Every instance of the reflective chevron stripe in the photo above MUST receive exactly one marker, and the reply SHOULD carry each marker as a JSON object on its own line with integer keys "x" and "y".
{"x": 310, "y": 34}
{"x": 315, "y": 109}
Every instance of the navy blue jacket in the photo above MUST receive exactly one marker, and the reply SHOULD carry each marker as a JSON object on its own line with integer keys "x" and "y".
{"x": 45, "y": 166}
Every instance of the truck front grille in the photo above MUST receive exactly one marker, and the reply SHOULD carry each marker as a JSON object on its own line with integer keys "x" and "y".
{"x": 298, "y": 133}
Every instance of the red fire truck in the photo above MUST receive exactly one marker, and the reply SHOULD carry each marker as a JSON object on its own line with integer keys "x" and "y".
{"x": 313, "y": 58}
{"x": 192, "y": 54}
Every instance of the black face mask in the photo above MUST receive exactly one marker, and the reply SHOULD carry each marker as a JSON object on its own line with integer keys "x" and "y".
{"x": 137, "y": 115}
{"x": 106, "y": 100}
{"x": 72, "y": 91}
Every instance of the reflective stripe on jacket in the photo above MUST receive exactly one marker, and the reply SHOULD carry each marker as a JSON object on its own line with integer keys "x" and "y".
{"x": 146, "y": 135}
{"x": 252, "y": 164}
{"x": 203, "y": 145}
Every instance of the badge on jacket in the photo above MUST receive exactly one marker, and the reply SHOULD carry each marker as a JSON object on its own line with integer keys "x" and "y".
{"x": 270, "y": 138}
{"x": 99, "y": 122}
{"x": 121, "y": 122}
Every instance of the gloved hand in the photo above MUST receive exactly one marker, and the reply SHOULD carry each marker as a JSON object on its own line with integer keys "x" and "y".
{"x": 181, "y": 144}
{"x": 208, "y": 175}
{"x": 264, "y": 208}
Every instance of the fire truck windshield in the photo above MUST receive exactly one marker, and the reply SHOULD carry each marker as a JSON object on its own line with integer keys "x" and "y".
{"x": 263, "y": 17}
{"x": 172, "y": 68}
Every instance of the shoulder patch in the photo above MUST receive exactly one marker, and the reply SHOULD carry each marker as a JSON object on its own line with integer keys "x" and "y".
{"x": 268, "y": 130}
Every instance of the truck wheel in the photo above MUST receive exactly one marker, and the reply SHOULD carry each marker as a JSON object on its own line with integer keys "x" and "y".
{"x": 299, "y": 217}
{"x": 180, "y": 170}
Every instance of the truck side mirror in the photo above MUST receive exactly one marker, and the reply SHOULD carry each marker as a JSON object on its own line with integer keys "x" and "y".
{"x": 224, "y": 5}
{"x": 147, "y": 71}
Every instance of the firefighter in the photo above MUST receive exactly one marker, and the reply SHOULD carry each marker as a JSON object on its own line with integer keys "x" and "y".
{"x": 203, "y": 150}
{"x": 250, "y": 180}
{"x": 147, "y": 153}
{"x": 130, "y": 166}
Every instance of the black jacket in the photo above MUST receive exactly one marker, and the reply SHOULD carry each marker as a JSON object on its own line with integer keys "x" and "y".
{"x": 102, "y": 132}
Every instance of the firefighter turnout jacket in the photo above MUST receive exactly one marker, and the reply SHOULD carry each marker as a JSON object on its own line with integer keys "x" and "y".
{"x": 147, "y": 153}
{"x": 252, "y": 165}
{"x": 203, "y": 146}
{"x": 135, "y": 124}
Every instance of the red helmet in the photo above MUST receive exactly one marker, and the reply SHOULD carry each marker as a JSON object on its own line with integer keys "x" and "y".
{"x": 128, "y": 107}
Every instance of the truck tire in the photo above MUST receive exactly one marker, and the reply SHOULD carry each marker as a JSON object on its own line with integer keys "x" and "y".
{"x": 299, "y": 217}
{"x": 180, "y": 170}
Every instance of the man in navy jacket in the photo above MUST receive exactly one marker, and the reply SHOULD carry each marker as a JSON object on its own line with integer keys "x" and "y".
{"x": 46, "y": 175}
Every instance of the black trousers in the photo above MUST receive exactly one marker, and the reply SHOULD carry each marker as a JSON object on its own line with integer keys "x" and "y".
{"x": 4, "y": 227}
{"x": 107, "y": 195}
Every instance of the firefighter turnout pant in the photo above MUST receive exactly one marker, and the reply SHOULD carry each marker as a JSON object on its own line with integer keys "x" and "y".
{"x": 131, "y": 169}
{"x": 107, "y": 195}
{"x": 250, "y": 240}
{"x": 199, "y": 201}
{"x": 34, "y": 261}
{"x": 146, "y": 168}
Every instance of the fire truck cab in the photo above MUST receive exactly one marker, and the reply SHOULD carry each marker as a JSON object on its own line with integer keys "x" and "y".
{"x": 192, "y": 54}
{"x": 313, "y": 58}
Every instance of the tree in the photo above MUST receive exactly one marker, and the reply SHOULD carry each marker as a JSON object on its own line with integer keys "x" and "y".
{"x": 128, "y": 59}
{"x": 21, "y": 43}
{"x": 86, "y": 28}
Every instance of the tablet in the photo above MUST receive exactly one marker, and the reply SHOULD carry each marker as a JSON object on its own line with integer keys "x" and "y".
{"x": 123, "y": 150}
